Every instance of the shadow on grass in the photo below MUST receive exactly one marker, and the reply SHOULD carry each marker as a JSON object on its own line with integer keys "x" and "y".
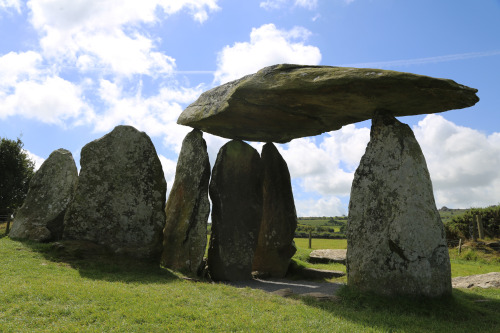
{"x": 95, "y": 262}
{"x": 464, "y": 311}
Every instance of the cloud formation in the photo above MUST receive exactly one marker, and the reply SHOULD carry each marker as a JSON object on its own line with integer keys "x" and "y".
{"x": 108, "y": 35}
{"x": 8, "y": 4}
{"x": 277, "y": 4}
{"x": 463, "y": 162}
{"x": 268, "y": 45}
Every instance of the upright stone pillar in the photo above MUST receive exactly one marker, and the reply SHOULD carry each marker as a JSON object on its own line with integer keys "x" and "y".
{"x": 279, "y": 219}
{"x": 395, "y": 238}
{"x": 41, "y": 217}
{"x": 236, "y": 193}
{"x": 187, "y": 210}
{"x": 120, "y": 198}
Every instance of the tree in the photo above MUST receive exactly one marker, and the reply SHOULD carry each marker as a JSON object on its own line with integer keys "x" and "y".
{"x": 16, "y": 170}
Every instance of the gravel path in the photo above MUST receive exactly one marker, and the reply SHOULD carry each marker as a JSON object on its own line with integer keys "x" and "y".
{"x": 297, "y": 286}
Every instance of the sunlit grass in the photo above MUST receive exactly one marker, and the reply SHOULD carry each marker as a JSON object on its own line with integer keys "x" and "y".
{"x": 44, "y": 291}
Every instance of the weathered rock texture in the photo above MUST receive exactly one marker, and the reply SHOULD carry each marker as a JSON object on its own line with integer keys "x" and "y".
{"x": 283, "y": 102}
{"x": 120, "y": 197}
{"x": 279, "y": 218}
{"x": 185, "y": 233}
{"x": 489, "y": 280}
{"x": 51, "y": 190}
{"x": 395, "y": 238}
{"x": 236, "y": 193}
{"x": 325, "y": 256}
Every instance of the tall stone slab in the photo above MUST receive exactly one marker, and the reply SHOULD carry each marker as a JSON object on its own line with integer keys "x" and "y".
{"x": 188, "y": 207}
{"x": 395, "y": 238}
{"x": 236, "y": 193}
{"x": 120, "y": 197}
{"x": 275, "y": 246}
{"x": 51, "y": 190}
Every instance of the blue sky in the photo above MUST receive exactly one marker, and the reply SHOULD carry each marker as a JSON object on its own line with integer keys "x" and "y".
{"x": 72, "y": 70}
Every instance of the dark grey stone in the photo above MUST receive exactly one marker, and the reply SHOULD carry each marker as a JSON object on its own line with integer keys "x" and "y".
{"x": 236, "y": 194}
{"x": 187, "y": 210}
{"x": 279, "y": 219}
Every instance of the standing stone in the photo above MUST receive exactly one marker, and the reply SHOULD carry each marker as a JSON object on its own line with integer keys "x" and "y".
{"x": 395, "y": 238}
{"x": 236, "y": 193}
{"x": 51, "y": 190}
{"x": 120, "y": 197}
{"x": 185, "y": 233}
{"x": 279, "y": 218}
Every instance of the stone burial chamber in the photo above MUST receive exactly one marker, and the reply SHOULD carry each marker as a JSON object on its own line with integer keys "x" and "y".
{"x": 396, "y": 242}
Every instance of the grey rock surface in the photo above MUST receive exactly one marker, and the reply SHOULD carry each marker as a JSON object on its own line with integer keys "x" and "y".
{"x": 328, "y": 255}
{"x": 187, "y": 210}
{"x": 236, "y": 194}
{"x": 275, "y": 246}
{"x": 120, "y": 198}
{"x": 395, "y": 238}
{"x": 51, "y": 190}
{"x": 489, "y": 280}
{"x": 283, "y": 102}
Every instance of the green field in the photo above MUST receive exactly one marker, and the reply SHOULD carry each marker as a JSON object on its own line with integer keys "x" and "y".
{"x": 44, "y": 290}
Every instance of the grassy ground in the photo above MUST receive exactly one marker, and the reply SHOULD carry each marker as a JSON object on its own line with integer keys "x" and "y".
{"x": 43, "y": 291}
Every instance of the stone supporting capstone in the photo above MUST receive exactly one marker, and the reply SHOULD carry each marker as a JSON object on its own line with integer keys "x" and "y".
{"x": 395, "y": 238}
{"x": 41, "y": 217}
{"x": 188, "y": 207}
{"x": 236, "y": 194}
{"x": 279, "y": 219}
{"x": 120, "y": 198}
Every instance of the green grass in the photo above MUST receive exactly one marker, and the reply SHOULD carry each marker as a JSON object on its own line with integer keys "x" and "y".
{"x": 321, "y": 243}
{"x": 44, "y": 291}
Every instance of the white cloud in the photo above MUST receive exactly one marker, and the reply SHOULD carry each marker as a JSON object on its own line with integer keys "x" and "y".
{"x": 327, "y": 168}
{"x": 36, "y": 159}
{"x": 15, "y": 67}
{"x": 156, "y": 115}
{"x": 267, "y": 46}
{"x": 107, "y": 34}
{"x": 309, "y": 4}
{"x": 325, "y": 206}
{"x": 277, "y": 4}
{"x": 463, "y": 162}
{"x": 7, "y": 4}
{"x": 169, "y": 167}
{"x": 51, "y": 100}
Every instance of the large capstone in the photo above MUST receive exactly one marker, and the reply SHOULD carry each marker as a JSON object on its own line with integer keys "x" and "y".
{"x": 120, "y": 197}
{"x": 185, "y": 233}
{"x": 50, "y": 192}
{"x": 283, "y": 102}
{"x": 395, "y": 238}
{"x": 279, "y": 219}
{"x": 236, "y": 193}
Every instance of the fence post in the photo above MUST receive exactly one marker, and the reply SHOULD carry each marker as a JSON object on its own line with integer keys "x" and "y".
{"x": 310, "y": 238}
{"x": 474, "y": 230}
{"x": 479, "y": 221}
{"x": 459, "y": 246}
